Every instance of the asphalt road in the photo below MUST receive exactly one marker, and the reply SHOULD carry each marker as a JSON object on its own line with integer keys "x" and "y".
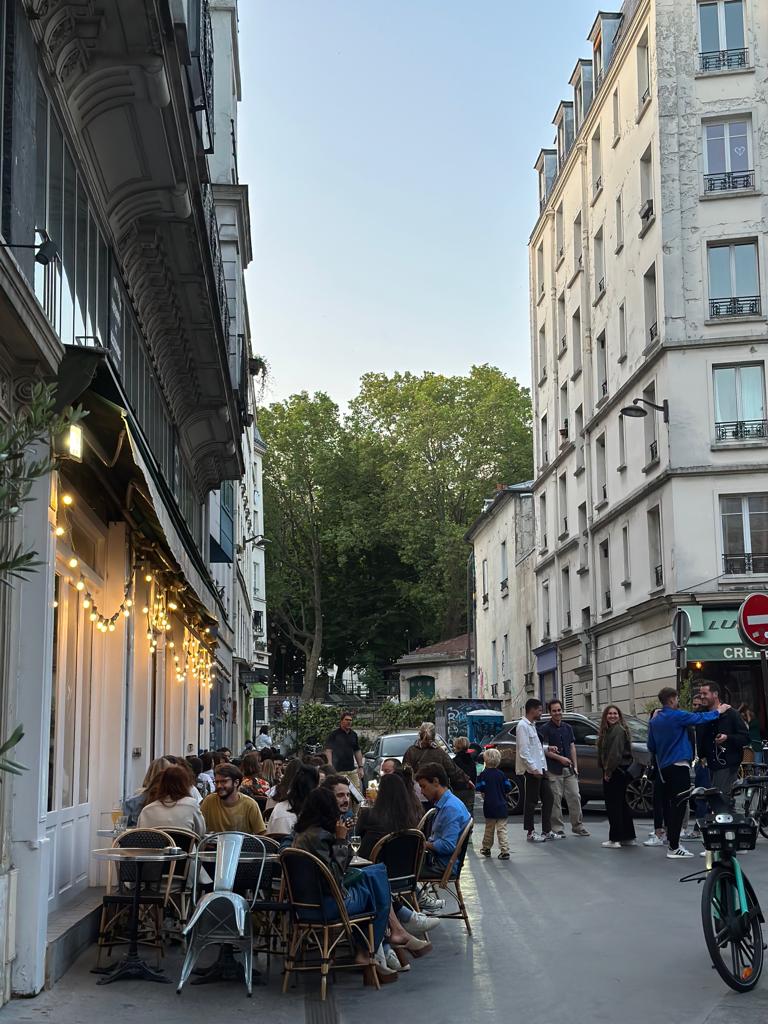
{"x": 562, "y": 931}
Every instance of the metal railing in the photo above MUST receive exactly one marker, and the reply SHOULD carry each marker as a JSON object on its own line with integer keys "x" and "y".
{"x": 607, "y": 599}
{"x": 729, "y": 181}
{"x": 720, "y": 60}
{"x": 658, "y": 574}
{"x": 604, "y": 491}
{"x": 597, "y": 184}
{"x": 563, "y": 343}
{"x": 604, "y": 388}
{"x": 201, "y": 72}
{"x": 212, "y": 231}
{"x": 565, "y": 525}
{"x": 742, "y": 430}
{"x": 742, "y": 565}
{"x": 646, "y": 96}
{"x": 653, "y": 330}
{"x": 654, "y": 450}
{"x": 504, "y": 585}
{"x": 567, "y": 620}
{"x": 737, "y": 305}
{"x": 601, "y": 286}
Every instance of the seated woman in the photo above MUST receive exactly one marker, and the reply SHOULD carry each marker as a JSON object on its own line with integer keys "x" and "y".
{"x": 132, "y": 805}
{"x": 253, "y": 785}
{"x": 393, "y": 811}
{"x": 285, "y": 814}
{"x": 170, "y": 804}
{"x": 319, "y": 831}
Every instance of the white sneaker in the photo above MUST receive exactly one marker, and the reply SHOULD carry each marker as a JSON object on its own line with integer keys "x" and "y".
{"x": 688, "y": 834}
{"x": 430, "y": 903}
{"x": 654, "y": 841}
{"x": 611, "y": 846}
{"x": 679, "y": 852}
{"x": 536, "y": 837}
{"x": 554, "y": 835}
{"x": 393, "y": 963}
{"x": 419, "y": 923}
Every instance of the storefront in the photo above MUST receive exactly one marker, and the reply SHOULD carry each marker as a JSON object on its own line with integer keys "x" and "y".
{"x": 717, "y": 652}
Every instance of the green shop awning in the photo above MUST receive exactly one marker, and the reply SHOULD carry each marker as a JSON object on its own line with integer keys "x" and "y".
{"x": 715, "y": 636}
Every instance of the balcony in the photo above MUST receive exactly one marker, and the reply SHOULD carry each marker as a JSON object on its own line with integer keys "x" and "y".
{"x": 724, "y": 60}
{"x": 200, "y": 73}
{"x": 604, "y": 388}
{"x": 601, "y": 287}
{"x": 653, "y": 331}
{"x": 729, "y": 181}
{"x": 742, "y": 430}
{"x": 504, "y": 586}
{"x": 745, "y": 565}
{"x": 568, "y": 619}
{"x": 741, "y": 305}
{"x": 607, "y": 600}
{"x": 658, "y": 575}
{"x": 212, "y": 231}
{"x": 653, "y": 450}
{"x": 597, "y": 186}
{"x": 563, "y": 343}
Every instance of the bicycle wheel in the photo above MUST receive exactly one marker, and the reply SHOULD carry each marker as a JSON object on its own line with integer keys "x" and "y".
{"x": 734, "y": 944}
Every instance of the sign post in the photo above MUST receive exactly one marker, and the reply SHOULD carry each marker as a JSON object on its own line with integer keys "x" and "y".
{"x": 681, "y": 634}
{"x": 753, "y": 626}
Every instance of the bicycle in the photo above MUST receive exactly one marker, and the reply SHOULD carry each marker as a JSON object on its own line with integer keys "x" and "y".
{"x": 730, "y": 912}
{"x": 756, "y": 798}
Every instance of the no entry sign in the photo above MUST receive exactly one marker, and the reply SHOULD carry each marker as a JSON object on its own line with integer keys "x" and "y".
{"x": 753, "y": 620}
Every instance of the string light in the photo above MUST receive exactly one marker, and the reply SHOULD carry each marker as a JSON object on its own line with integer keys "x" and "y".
{"x": 79, "y": 585}
{"x": 60, "y": 531}
{"x": 67, "y": 499}
{"x": 73, "y": 563}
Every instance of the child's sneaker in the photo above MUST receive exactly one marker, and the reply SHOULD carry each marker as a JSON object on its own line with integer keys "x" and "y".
{"x": 503, "y": 856}
{"x": 485, "y": 853}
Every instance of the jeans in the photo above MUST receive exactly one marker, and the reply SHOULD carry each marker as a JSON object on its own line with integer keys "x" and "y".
{"x": 369, "y": 894}
{"x": 724, "y": 778}
{"x": 565, "y": 786}
{"x": 620, "y": 820}
{"x": 497, "y": 826}
{"x": 758, "y": 756}
{"x": 537, "y": 786}
{"x": 677, "y": 780}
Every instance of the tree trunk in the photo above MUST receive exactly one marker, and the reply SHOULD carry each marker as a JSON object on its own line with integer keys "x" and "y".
{"x": 313, "y": 663}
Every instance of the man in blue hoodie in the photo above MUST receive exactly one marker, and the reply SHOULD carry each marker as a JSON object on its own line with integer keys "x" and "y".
{"x": 669, "y": 742}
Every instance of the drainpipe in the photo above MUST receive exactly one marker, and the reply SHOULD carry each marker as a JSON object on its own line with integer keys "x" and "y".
{"x": 471, "y": 625}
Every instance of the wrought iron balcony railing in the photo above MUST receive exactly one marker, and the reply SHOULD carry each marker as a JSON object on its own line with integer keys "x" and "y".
{"x": 737, "y": 305}
{"x": 744, "y": 565}
{"x": 658, "y": 575}
{"x": 742, "y": 430}
{"x": 722, "y": 60}
{"x": 201, "y": 71}
{"x": 729, "y": 181}
{"x": 212, "y": 228}
{"x": 653, "y": 331}
{"x": 654, "y": 451}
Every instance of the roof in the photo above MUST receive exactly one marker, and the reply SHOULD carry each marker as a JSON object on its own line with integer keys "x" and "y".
{"x": 452, "y": 649}
{"x": 491, "y": 505}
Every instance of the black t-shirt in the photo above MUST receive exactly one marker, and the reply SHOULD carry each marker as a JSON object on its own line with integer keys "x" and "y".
{"x": 343, "y": 746}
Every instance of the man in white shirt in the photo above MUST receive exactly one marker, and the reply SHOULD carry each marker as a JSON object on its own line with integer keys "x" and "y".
{"x": 531, "y": 764}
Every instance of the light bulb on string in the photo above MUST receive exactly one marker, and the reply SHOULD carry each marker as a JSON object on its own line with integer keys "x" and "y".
{"x": 145, "y": 610}
{"x": 79, "y": 585}
{"x": 72, "y": 563}
{"x": 128, "y": 603}
{"x": 126, "y": 613}
{"x": 60, "y": 531}
{"x": 148, "y": 577}
{"x": 67, "y": 499}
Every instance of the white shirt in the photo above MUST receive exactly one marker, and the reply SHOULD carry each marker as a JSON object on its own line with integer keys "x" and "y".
{"x": 263, "y": 741}
{"x": 281, "y": 820}
{"x": 530, "y": 753}
{"x": 183, "y": 813}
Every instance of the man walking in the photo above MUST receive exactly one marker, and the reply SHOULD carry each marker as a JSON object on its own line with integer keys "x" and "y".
{"x": 342, "y": 748}
{"x": 669, "y": 741}
{"x": 562, "y": 770}
{"x": 531, "y": 763}
{"x": 721, "y": 744}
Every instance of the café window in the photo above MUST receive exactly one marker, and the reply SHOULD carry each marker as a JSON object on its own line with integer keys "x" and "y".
{"x": 739, "y": 393}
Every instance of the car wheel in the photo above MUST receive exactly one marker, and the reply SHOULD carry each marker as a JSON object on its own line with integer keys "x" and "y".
{"x": 516, "y": 795}
{"x": 640, "y": 797}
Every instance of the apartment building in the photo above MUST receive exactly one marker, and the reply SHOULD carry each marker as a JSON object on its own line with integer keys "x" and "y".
{"x": 502, "y": 539}
{"x": 648, "y": 297}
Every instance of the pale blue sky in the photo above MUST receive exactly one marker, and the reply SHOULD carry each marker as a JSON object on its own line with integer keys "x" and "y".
{"x": 389, "y": 147}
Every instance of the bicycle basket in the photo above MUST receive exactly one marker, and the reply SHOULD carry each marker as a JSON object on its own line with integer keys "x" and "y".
{"x": 729, "y": 835}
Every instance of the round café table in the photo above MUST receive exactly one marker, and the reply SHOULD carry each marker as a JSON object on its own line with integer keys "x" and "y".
{"x": 132, "y": 965}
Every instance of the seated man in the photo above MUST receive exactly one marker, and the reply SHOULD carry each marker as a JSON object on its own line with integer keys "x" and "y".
{"x": 229, "y": 810}
{"x": 447, "y": 825}
{"x": 339, "y": 786}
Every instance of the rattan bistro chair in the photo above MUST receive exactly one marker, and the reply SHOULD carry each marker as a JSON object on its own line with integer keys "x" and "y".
{"x": 402, "y": 853}
{"x": 309, "y": 884}
{"x": 425, "y": 825}
{"x": 449, "y": 880}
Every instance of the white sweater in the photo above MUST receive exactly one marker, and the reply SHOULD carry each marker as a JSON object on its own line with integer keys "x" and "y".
{"x": 182, "y": 814}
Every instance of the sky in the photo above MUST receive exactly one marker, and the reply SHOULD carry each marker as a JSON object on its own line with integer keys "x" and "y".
{"x": 388, "y": 146}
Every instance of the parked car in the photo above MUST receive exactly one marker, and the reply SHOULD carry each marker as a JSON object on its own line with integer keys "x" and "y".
{"x": 392, "y": 745}
{"x": 639, "y": 791}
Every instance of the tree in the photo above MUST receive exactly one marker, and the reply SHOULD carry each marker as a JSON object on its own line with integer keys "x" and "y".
{"x": 444, "y": 443}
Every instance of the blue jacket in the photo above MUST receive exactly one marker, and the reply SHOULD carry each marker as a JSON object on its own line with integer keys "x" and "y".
{"x": 668, "y": 734}
{"x": 447, "y": 826}
{"x": 493, "y": 784}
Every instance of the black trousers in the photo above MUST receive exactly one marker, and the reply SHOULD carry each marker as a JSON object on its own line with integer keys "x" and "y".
{"x": 677, "y": 780}
{"x": 620, "y": 820}
{"x": 537, "y": 786}
{"x": 658, "y": 803}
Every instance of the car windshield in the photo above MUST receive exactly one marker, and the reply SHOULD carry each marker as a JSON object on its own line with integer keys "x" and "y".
{"x": 396, "y": 746}
{"x": 638, "y": 730}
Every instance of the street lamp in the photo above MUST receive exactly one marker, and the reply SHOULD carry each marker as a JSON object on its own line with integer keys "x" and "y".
{"x": 45, "y": 252}
{"x": 636, "y": 411}
{"x": 258, "y": 539}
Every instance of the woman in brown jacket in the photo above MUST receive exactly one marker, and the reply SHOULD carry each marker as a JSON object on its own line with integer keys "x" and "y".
{"x": 614, "y": 757}
{"x": 426, "y": 751}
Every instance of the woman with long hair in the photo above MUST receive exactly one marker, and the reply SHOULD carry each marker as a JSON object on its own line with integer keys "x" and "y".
{"x": 286, "y": 812}
{"x": 614, "y": 758}
{"x": 171, "y": 805}
{"x": 253, "y": 784}
{"x": 320, "y": 831}
{"x": 132, "y": 805}
{"x": 392, "y": 812}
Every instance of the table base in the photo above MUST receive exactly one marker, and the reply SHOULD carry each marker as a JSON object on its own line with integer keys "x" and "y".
{"x": 225, "y": 968}
{"x": 132, "y": 966}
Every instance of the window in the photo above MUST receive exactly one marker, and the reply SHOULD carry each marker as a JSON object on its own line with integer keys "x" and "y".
{"x": 543, "y": 522}
{"x": 602, "y": 483}
{"x": 622, "y": 332}
{"x": 566, "y": 596}
{"x": 599, "y": 266}
{"x": 505, "y": 673}
{"x": 562, "y": 484}
{"x": 721, "y": 35}
{"x": 545, "y": 610}
{"x": 504, "y": 565}
{"x": 619, "y": 221}
{"x": 564, "y": 426}
{"x": 597, "y": 164}
{"x": 602, "y": 367}
{"x": 544, "y": 441}
{"x": 649, "y": 425}
{"x": 561, "y": 333}
{"x": 646, "y": 191}
{"x": 744, "y": 520}
{"x": 739, "y": 402}
{"x": 643, "y": 71}
{"x": 485, "y": 582}
{"x": 559, "y": 238}
{"x": 576, "y": 340}
{"x": 577, "y": 244}
{"x": 651, "y": 307}
{"x": 616, "y": 117}
{"x": 625, "y": 552}
{"x": 728, "y": 156}
{"x": 622, "y": 446}
{"x": 540, "y": 270}
{"x": 222, "y": 523}
{"x": 543, "y": 352}
{"x": 654, "y": 548}
{"x": 605, "y": 574}
{"x": 583, "y": 539}
{"x": 733, "y": 280}
{"x": 578, "y": 427}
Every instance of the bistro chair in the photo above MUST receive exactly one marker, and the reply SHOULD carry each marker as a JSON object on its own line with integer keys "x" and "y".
{"x": 402, "y": 853}
{"x": 180, "y": 889}
{"x": 425, "y": 825}
{"x": 449, "y": 879}
{"x": 156, "y": 883}
{"x": 314, "y": 928}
